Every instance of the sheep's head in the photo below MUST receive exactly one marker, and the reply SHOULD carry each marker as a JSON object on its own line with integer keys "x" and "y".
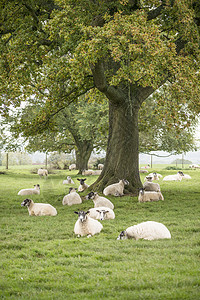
{"x": 125, "y": 182}
{"x": 102, "y": 214}
{"x": 26, "y": 202}
{"x": 82, "y": 181}
{"x": 72, "y": 190}
{"x": 181, "y": 173}
{"x": 122, "y": 236}
{"x": 149, "y": 178}
{"x": 89, "y": 196}
{"x": 82, "y": 215}
{"x": 141, "y": 191}
{"x": 37, "y": 186}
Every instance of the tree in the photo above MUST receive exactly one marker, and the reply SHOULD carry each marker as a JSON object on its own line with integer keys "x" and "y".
{"x": 126, "y": 49}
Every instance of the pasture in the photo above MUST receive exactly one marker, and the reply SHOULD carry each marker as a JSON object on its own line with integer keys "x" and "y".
{"x": 41, "y": 258}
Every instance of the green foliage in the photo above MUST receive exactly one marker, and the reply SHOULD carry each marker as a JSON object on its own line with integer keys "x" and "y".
{"x": 180, "y": 161}
{"x": 34, "y": 249}
{"x": 17, "y": 158}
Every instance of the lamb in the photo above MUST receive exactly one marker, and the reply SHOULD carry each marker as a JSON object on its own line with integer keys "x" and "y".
{"x": 83, "y": 186}
{"x": 175, "y": 177}
{"x": 72, "y": 197}
{"x": 35, "y": 190}
{"x": 86, "y": 225}
{"x": 72, "y": 167}
{"x": 100, "y": 166}
{"x": 149, "y": 196}
{"x": 149, "y": 230}
{"x": 116, "y": 189}
{"x": 99, "y": 201}
{"x": 39, "y": 209}
{"x": 68, "y": 181}
{"x": 42, "y": 172}
{"x": 194, "y": 166}
{"x": 143, "y": 171}
{"x": 151, "y": 186}
{"x": 101, "y": 213}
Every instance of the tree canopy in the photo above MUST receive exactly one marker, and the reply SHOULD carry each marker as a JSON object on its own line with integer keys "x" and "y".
{"x": 126, "y": 49}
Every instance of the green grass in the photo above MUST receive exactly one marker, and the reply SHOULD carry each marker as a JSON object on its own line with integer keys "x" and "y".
{"x": 41, "y": 258}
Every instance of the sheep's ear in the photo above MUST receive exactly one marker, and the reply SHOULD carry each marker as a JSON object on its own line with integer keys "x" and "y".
{"x": 98, "y": 210}
{"x": 87, "y": 212}
{"x": 78, "y": 179}
{"x": 106, "y": 211}
{"x": 76, "y": 189}
{"x": 84, "y": 179}
{"x": 76, "y": 212}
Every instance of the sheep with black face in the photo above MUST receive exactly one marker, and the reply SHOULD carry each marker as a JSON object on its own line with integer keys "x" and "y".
{"x": 39, "y": 209}
{"x": 86, "y": 225}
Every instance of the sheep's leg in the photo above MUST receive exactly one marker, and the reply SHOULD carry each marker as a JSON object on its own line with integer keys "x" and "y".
{"x": 89, "y": 235}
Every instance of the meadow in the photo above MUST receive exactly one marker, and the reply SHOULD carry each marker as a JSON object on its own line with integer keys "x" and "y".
{"x": 41, "y": 258}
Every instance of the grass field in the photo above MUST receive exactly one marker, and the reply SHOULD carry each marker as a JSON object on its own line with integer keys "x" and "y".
{"x": 41, "y": 258}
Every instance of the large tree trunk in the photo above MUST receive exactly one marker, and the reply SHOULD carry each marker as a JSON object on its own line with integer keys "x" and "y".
{"x": 122, "y": 151}
{"x": 83, "y": 152}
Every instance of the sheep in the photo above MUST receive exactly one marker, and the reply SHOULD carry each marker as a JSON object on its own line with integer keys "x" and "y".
{"x": 42, "y": 172}
{"x": 149, "y": 230}
{"x": 72, "y": 167}
{"x": 194, "y": 166}
{"x": 149, "y": 196}
{"x": 101, "y": 213}
{"x": 175, "y": 177}
{"x": 72, "y": 197}
{"x": 83, "y": 186}
{"x": 99, "y": 201}
{"x": 143, "y": 171}
{"x": 100, "y": 166}
{"x": 86, "y": 225}
{"x": 91, "y": 172}
{"x": 68, "y": 181}
{"x": 39, "y": 209}
{"x": 116, "y": 189}
{"x": 155, "y": 176}
{"x": 35, "y": 190}
{"x": 151, "y": 186}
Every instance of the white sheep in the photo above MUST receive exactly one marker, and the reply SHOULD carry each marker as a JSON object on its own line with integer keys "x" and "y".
{"x": 100, "y": 166}
{"x": 39, "y": 209}
{"x": 175, "y": 177}
{"x": 83, "y": 186}
{"x": 194, "y": 166}
{"x": 86, "y": 225}
{"x": 91, "y": 172}
{"x": 155, "y": 176}
{"x": 99, "y": 200}
{"x": 34, "y": 191}
{"x": 151, "y": 186}
{"x": 68, "y": 180}
{"x": 149, "y": 196}
{"x": 72, "y": 167}
{"x": 149, "y": 230}
{"x": 101, "y": 213}
{"x": 72, "y": 198}
{"x": 116, "y": 189}
{"x": 42, "y": 172}
{"x": 143, "y": 171}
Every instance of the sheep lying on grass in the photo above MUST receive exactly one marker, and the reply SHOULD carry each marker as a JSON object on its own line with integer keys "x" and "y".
{"x": 35, "y": 190}
{"x": 151, "y": 186}
{"x": 99, "y": 200}
{"x": 149, "y": 196}
{"x": 175, "y": 177}
{"x": 72, "y": 167}
{"x": 42, "y": 172}
{"x": 68, "y": 180}
{"x": 101, "y": 213}
{"x": 86, "y": 225}
{"x": 83, "y": 186}
{"x": 39, "y": 209}
{"x": 116, "y": 189}
{"x": 149, "y": 230}
{"x": 72, "y": 198}
{"x": 155, "y": 176}
{"x": 91, "y": 172}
